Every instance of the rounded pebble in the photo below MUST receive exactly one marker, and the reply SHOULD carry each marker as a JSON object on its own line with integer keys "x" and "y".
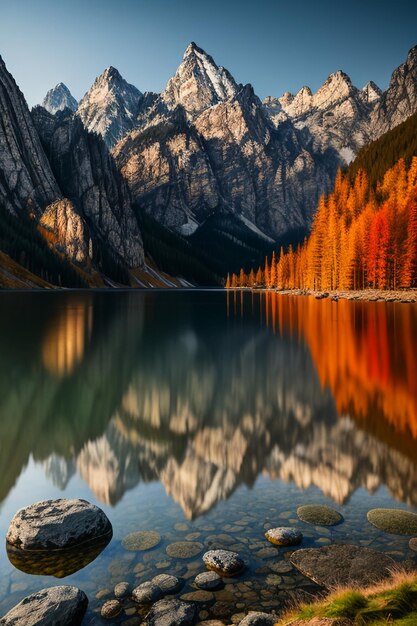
{"x": 224, "y": 562}
{"x": 184, "y": 549}
{"x": 141, "y": 540}
{"x": 208, "y": 580}
{"x": 393, "y": 521}
{"x": 147, "y": 593}
{"x": 284, "y": 536}
{"x": 319, "y": 515}
{"x": 167, "y": 583}
{"x": 122, "y": 590}
{"x": 110, "y": 609}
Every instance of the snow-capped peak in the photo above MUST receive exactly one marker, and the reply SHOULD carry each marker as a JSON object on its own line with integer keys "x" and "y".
{"x": 59, "y": 98}
{"x": 371, "y": 92}
{"x": 110, "y": 107}
{"x": 198, "y": 82}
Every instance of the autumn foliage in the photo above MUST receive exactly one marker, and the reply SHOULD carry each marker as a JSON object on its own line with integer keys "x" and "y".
{"x": 362, "y": 236}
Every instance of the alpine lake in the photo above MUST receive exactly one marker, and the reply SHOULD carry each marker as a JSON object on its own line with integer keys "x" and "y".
{"x": 206, "y": 417}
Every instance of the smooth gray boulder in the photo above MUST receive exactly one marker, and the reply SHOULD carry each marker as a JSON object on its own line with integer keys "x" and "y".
{"x": 171, "y": 613}
{"x": 224, "y": 562}
{"x": 256, "y": 618}
{"x": 57, "y": 524}
{"x": 340, "y": 564}
{"x": 56, "y": 606}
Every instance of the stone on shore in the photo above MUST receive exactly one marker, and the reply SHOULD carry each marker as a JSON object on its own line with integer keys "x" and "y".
{"x": 284, "y": 536}
{"x": 57, "y": 525}
{"x": 394, "y": 521}
{"x": 224, "y": 562}
{"x": 340, "y": 564}
{"x": 319, "y": 515}
{"x": 168, "y": 612}
{"x": 63, "y": 605}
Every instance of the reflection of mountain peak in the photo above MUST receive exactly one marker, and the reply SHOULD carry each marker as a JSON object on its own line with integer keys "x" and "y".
{"x": 59, "y": 470}
{"x": 241, "y": 401}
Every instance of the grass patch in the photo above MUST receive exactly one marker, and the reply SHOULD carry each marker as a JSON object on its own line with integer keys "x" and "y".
{"x": 392, "y": 602}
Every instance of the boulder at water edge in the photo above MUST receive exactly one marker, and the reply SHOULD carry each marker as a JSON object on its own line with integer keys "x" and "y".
{"x": 57, "y": 524}
{"x": 63, "y": 605}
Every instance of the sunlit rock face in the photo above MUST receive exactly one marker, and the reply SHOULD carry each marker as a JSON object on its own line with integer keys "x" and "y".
{"x": 207, "y": 144}
{"x": 336, "y": 116}
{"x": 59, "y": 98}
{"x": 345, "y": 118}
{"x": 198, "y": 83}
{"x": 399, "y": 101}
{"x": 27, "y": 182}
{"x": 65, "y": 229}
{"x": 88, "y": 176}
{"x": 110, "y": 107}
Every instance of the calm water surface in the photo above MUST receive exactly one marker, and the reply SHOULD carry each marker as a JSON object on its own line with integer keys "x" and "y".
{"x": 209, "y": 417}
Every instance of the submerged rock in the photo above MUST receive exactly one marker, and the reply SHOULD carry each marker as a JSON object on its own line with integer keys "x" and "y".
{"x": 111, "y": 609}
{"x": 224, "y": 562}
{"x": 57, "y": 525}
{"x": 167, "y": 583}
{"x": 395, "y": 521}
{"x": 141, "y": 540}
{"x": 284, "y": 536}
{"x": 122, "y": 590}
{"x": 319, "y": 515}
{"x": 171, "y": 613}
{"x": 184, "y": 549}
{"x": 62, "y": 605}
{"x": 413, "y": 544}
{"x": 146, "y": 593}
{"x": 208, "y": 580}
{"x": 256, "y": 618}
{"x": 340, "y": 564}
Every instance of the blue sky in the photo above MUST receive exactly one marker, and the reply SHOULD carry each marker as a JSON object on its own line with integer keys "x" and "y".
{"x": 274, "y": 45}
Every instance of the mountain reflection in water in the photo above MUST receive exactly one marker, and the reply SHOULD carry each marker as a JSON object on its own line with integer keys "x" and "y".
{"x": 204, "y": 391}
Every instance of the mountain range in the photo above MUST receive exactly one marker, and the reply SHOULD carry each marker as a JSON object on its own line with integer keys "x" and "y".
{"x": 194, "y": 179}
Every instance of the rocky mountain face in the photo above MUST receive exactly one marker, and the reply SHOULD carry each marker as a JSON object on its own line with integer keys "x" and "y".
{"x": 110, "y": 107}
{"x": 336, "y": 116}
{"x": 399, "y": 101}
{"x": 63, "y": 183}
{"x": 341, "y": 116}
{"x": 59, "y": 98}
{"x": 206, "y": 145}
{"x": 26, "y": 179}
{"x": 87, "y": 175}
{"x": 66, "y": 230}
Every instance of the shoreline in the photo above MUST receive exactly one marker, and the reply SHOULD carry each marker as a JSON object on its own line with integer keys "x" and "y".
{"x": 406, "y": 296}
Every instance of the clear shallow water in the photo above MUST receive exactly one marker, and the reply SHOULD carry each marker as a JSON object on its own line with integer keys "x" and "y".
{"x": 210, "y": 416}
